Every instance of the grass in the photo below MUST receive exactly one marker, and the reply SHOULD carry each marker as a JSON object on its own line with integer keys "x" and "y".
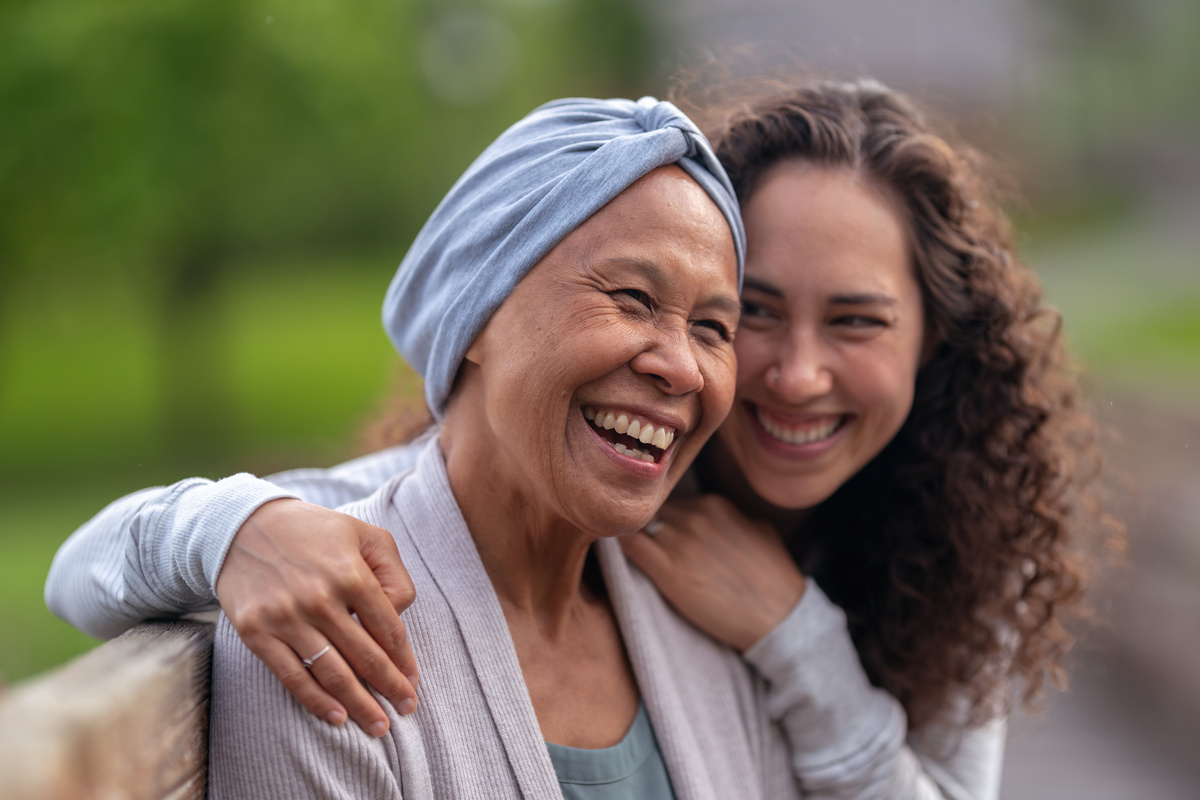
{"x": 1130, "y": 300}
{"x": 307, "y": 363}
{"x": 34, "y": 524}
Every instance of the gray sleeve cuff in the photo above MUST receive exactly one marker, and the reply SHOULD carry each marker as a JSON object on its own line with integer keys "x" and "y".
{"x": 841, "y": 728}
{"x": 178, "y": 546}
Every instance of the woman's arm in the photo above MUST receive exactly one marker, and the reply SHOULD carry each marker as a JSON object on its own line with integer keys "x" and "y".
{"x": 850, "y": 739}
{"x": 152, "y": 553}
{"x": 734, "y": 579}
{"x": 289, "y": 574}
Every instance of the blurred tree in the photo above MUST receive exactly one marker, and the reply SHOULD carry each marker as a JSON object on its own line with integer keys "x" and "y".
{"x": 154, "y": 141}
{"x": 1114, "y": 80}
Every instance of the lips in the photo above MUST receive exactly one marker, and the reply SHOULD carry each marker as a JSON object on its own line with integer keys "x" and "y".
{"x": 811, "y": 430}
{"x": 630, "y": 434}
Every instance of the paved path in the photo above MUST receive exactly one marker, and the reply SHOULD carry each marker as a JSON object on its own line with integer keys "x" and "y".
{"x": 1101, "y": 742}
{"x": 1129, "y": 729}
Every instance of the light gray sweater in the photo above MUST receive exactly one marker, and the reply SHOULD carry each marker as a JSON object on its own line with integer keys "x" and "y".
{"x": 475, "y": 733}
{"x": 159, "y": 551}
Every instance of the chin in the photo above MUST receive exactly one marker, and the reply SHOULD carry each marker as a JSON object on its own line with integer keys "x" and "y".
{"x": 793, "y": 495}
{"x": 618, "y": 522}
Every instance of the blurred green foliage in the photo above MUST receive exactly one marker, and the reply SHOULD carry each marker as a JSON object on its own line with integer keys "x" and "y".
{"x": 201, "y": 203}
{"x": 155, "y": 156}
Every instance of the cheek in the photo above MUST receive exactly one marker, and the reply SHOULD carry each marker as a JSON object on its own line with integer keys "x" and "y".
{"x": 884, "y": 385}
{"x": 754, "y": 353}
{"x": 721, "y": 372}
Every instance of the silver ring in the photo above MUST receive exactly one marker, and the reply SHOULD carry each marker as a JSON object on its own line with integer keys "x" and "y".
{"x": 308, "y": 662}
{"x": 654, "y": 526}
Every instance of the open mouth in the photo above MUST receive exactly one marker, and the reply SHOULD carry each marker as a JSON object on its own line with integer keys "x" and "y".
{"x": 799, "y": 433}
{"x": 630, "y": 435}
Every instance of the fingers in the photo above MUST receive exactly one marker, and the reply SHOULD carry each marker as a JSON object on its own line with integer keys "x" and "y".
{"x": 298, "y": 577}
{"x": 303, "y": 685}
{"x": 384, "y": 657}
{"x": 363, "y": 648}
{"x": 336, "y": 678}
{"x": 329, "y": 688}
{"x": 378, "y": 550}
{"x": 649, "y": 556}
{"x": 381, "y": 601}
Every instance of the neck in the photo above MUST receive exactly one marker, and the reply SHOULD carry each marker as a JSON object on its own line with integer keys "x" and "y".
{"x": 719, "y": 474}
{"x": 534, "y": 558}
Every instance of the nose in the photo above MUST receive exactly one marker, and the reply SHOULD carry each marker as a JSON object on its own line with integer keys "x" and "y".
{"x": 669, "y": 359}
{"x": 803, "y": 370}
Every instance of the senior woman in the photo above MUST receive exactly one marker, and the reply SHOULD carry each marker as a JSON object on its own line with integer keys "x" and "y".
{"x": 590, "y": 257}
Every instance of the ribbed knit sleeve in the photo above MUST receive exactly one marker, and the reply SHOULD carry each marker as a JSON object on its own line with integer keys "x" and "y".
{"x": 154, "y": 552}
{"x": 848, "y": 738}
{"x": 263, "y": 744}
{"x": 159, "y": 551}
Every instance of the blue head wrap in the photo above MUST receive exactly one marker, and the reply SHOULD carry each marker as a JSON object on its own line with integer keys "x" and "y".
{"x": 539, "y": 181}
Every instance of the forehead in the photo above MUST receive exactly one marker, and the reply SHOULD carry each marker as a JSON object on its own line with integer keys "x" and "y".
{"x": 806, "y": 223}
{"x": 664, "y": 222}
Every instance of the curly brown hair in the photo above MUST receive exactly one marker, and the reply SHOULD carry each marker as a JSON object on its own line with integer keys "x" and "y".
{"x": 955, "y": 551}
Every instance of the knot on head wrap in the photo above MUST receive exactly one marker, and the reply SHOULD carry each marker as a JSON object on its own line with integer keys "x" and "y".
{"x": 535, "y": 184}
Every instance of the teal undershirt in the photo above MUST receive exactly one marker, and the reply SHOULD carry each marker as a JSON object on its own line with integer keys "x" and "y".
{"x": 632, "y": 769}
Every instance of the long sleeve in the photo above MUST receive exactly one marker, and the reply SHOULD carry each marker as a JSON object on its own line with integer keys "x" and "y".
{"x": 158, "y": 551}
{"x": 849, "y": 739}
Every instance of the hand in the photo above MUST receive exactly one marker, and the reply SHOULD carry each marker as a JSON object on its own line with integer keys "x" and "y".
{"x": 729, "y": 575}
{"x": 294, "y": 575}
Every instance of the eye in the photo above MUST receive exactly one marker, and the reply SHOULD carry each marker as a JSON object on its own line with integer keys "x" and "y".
{"x": 721, "y": 329}
{"x": 759, "y": 316}
{"x": 860, "y": 321}
{"x": 753, "y": 309}
{"x": 636, "y": 294}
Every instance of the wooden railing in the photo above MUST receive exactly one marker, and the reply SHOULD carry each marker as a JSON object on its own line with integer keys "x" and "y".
{"x": 128, "y": 721}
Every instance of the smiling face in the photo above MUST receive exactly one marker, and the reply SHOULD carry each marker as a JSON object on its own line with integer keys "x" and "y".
{"x": 630, "y": 316}
{"x": 831, "y": 333}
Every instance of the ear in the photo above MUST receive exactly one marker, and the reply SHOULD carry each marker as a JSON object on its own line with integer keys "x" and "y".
{"x": 474, "y": 353}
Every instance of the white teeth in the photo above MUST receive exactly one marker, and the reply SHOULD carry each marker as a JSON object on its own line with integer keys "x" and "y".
{"x": 805, "y": 435}
{"x": 644, "y": 432}
{"x": 620, "y": 448}
{"x": 647, "y": 457}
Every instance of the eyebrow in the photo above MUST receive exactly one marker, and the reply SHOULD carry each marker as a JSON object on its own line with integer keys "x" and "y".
{"x": 843, "y": 299}
{"x": 761, "y": 286}
{"x": 863, "y": 299}
{"x": 724, "y": 303}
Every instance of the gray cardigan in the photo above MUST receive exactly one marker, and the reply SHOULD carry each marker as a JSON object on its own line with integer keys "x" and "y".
{"x": 475, "y": 733}
{"x": 159, "y": 550}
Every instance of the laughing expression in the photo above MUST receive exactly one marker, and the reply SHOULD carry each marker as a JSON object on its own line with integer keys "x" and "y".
{"x": 612, "y": 361}
{"x": 831, "y": 333}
